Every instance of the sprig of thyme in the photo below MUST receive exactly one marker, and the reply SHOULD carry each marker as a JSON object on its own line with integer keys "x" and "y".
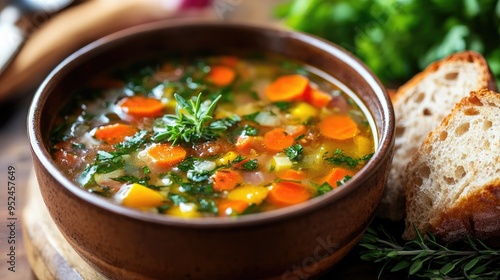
{"x": 191, "y": 121}
{"x": 427, "y": 258}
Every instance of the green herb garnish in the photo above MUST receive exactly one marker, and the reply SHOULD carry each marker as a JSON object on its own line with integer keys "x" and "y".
{"x": 194, "y": 172}
{"x": 283, "y": 105}
{"x": 324, "y": 188}
{"x": 250, "y": 165}
{"x": 429, "y": 259}
{"x": 132, "y": 179}
{"x": 294, "y": 152}
{"x": 344, "y": 180}
{"x": 251, "y": 117}
{"x": 106, "y": 162}
{"x": 340, "y": 158}
{"x": 239, "y": 158}
{"x": 191, "y": 121}
{"x": 132, "y": 144}
{"x": 246, "y": 130}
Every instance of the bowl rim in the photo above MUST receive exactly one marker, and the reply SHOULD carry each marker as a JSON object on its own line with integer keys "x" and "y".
{"x": 386, "y": 137}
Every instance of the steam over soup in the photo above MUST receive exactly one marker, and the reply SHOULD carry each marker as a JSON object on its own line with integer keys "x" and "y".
{"x": 215, "y": 136}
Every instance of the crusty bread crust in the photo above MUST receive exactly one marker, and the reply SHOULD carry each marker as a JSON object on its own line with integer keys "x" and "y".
{"x": 472, "y": 207}
{"x": 420, "y": 105}
{"x": 487, "y": 81}
{"x": 477, "y": 216}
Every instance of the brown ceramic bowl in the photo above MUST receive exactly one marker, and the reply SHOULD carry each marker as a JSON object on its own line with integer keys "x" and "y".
{"x": 289, "y": 243}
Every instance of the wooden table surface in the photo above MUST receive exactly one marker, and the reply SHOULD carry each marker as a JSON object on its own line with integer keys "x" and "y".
{"x": 15, "y": 152}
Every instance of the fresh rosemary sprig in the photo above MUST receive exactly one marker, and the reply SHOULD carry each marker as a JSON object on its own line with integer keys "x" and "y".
{"x": 191, "y": 121}
{"x": 427, "y": 258}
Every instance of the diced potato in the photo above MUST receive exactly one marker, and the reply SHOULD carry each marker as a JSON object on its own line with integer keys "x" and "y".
{"x": 250, "y": 194}
{"x": 227, "y": 158}
{"x": 139, "y": 196}
{"x": 184, "y": 210}
{"x": 267, "y": 119}
{"x": 302, "y": 112}
{"x": 280, "y": 162}
{"x": 363, "y": 145}
{"x": 316, "y": 158}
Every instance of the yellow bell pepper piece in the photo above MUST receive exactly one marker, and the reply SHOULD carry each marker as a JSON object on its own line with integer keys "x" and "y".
{"x": 139, "y": 196}
{"x": 303, "y": 112}
{"x": 184, "y": 210}
{"x": 250, "y": 194}
{"x": 226, "y": 158}
{"x": 363, "y": 146}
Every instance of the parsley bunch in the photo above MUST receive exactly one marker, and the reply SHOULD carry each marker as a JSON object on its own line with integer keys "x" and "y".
{"x": 397, "y": 39}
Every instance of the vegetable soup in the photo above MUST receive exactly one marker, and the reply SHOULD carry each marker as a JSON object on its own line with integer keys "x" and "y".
{"x": 213, "y": 136}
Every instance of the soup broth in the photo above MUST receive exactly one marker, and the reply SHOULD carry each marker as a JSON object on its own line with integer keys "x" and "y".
{"x": 213, "y": 136}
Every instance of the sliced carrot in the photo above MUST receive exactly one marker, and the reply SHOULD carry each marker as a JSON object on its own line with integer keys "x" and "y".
{"x": 287, "y": 88}
{"x": 114, "y": 133}
{"x": 337, "y": 174}
{"x": 339, "y": 127}
{"x": 221, "y": 75}
{"x": 228, "y": 207}
{"x": 318, "y": 98}
{"x": 277, "y": 140}
{"x": 226, "y": 179}
{"x": 165, "y": 155}
{"x": 228, "y": 60}
{"x": 139, "y": 106}
{"x": 292, "y": 175}
{"x": 288, "y": 193}
{"x": 295, "y": 130}
{"x": 139, "y": 196}
{"x": 245, "y": 144}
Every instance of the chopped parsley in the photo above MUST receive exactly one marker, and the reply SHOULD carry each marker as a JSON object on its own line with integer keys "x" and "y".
{"x": 132, "y": 179}
{"x": 250, "y": 165}
{"x": 294, "y": 152}
{"x": 340, "y": 158}
{"x": 344, "y": 180}
{"x": 283, "y": 105}
{"x": 324, "y": 188}
{"x": 251, "y": 117}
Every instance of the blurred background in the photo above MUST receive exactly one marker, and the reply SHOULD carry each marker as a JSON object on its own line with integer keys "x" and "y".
{"x": 398, "y": 38}
{"x": 395, "y": 38}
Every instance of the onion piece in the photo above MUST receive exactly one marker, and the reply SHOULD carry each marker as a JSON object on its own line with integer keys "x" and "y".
{"x": 267, "y": 119}
{"x": 256, "y": 178}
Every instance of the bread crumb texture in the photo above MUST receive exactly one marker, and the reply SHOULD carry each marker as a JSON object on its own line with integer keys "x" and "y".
{"x": 453, "y": 180}
{"x": 420, "y": 105}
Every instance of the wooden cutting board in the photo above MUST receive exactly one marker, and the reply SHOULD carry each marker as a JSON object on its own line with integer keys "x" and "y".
{"x": 49, "y": 254}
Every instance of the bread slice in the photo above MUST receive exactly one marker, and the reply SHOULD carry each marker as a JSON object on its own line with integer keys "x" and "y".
{"x": 453, "y": 181}
{"x": 420, "y": 105}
